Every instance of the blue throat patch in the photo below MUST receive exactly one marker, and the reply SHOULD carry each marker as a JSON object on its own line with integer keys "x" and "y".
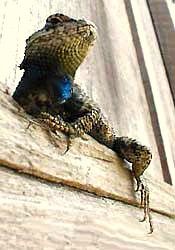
{"x": 64, "y": 88}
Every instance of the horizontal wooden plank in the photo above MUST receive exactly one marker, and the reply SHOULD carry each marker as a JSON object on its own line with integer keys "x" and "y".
{"x": 40, "y": 215}
{"x": 88, "y": 165}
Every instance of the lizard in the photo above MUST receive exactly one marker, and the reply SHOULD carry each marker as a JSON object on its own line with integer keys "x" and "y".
{"x": 47, "y": 91}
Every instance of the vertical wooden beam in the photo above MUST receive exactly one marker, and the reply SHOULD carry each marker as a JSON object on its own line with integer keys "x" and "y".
{"x": 145, "y": 49}
{"x": 165, "y": 33}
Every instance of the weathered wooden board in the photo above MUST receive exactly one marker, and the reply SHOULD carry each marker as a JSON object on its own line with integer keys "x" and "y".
{"x": 88, "y": 165}
{"x": 41, "y": 215}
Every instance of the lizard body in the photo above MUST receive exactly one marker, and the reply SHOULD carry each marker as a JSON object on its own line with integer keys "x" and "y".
{"x": 47, "y": 91}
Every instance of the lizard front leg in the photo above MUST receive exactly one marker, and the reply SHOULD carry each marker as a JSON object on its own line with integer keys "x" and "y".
{"x": 140, "y": 157}
{"x": 74, "y": 129}
{"x": 130, "y": 150}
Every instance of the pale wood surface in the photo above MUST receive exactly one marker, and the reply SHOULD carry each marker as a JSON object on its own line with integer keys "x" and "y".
{"x": 110, "y": 73}
{"x": 88, "y": 165}
{"x": 40, "y": 215}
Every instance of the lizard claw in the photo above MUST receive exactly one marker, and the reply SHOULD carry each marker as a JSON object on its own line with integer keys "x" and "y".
{"x": 69, "y": 143}
{"x": 144, "y": 190}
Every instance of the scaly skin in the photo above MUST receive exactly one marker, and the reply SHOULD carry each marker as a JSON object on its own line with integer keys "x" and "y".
{"x": 47, "y": 91}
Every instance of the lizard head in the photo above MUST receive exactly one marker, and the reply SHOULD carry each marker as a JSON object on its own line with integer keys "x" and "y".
{"x": 61, "y": 45}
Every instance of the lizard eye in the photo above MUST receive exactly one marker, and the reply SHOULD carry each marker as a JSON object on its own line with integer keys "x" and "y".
{"x": 54, "y": 20}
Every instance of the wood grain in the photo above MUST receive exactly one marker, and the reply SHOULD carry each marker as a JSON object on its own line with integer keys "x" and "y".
{"x": 39, "y": 215}
{"x": 65, "y": 207}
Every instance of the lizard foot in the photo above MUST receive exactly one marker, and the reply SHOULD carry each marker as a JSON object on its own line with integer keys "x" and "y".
{"x": 58, "y": 124}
